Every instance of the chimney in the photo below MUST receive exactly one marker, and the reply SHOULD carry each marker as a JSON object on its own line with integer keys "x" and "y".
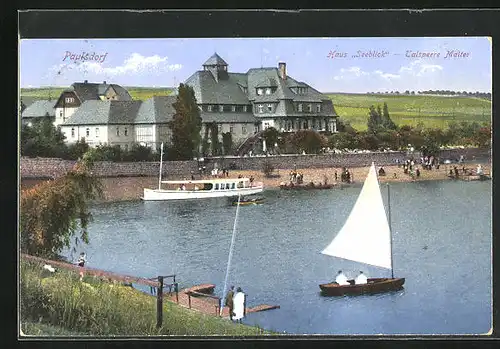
{"x": 282, "y": 70}
{"x": 86, "y": 81}
{"x": 104, "y": 82}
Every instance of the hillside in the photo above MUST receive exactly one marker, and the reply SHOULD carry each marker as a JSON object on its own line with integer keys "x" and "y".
{"x": 433, "y": 111}
{"x": 140, "y": 93}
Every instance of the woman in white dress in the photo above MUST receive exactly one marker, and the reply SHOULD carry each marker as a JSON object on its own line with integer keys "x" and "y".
{"x": 239, "y": 300}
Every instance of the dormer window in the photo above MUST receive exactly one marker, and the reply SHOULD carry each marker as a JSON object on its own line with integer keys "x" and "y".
{"x": 268, "y": 91}
{"x": 260, "y": 108}
{"x": 209, "y": 108}
{"x": 259, "y": 91}
{"x": 269, "y": 108}
{"x": 300, "y": 107}
{"x": 221, "y": 108}
{"x": 233, "y": 108}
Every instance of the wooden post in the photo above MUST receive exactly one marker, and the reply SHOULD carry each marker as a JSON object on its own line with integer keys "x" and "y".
{"x": 189, "y": 300}
{"x": 159, "y": 303}
{"x": 177, "y": 292}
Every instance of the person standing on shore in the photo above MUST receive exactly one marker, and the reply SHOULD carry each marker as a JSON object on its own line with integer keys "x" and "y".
{"x": 239, "y": 305}
{"x": 229, "y": 302}
{"x": 81, "y": 263}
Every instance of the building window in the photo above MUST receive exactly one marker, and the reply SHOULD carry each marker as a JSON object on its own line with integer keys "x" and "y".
{"x": 244, "y": 129}
{"x": 231, "y": 128}
{"x": 221, "y": 108}
{"x": 125, "y": 131}
{"x": 209, "y": 108}
{"x": 126, "y": 147}
{"x": 73, "y": 132}
{"x": 61, "y": 113}
{"x": 233, "y": 108}
{"x": 260, "y": 108}
{"x": 118, "y": 131}
{"x": 309, "y": 108}
{"x": 259, "y": 91}
{"x": 269, "y": 108}
{"x": 87, "y": 132}
{"x": 266, "y": 125}
{"x": 320, "y": 124}
{"x": 300, "y": 106}
{"x": 245, "y": 108}
{"x": 70, "y": 99}
{"x": 268, "y": 91}
{"x": 318, "y": 108}
{"x": 97, "y": 132}
{"x": 219, "y": 128}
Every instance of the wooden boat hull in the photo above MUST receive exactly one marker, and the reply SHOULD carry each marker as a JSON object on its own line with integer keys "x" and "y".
{"x": 374, "y": 285}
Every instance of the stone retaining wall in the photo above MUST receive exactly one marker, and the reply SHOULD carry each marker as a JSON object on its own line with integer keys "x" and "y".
{"x": 52, "y": 168}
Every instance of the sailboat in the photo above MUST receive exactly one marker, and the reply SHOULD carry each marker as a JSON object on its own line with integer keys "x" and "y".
{"x": 365, "y": 238}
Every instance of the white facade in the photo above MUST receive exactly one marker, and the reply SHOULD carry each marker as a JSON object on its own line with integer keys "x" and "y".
{"x": 94, "y": 135}
{"x": 62, "y": 114}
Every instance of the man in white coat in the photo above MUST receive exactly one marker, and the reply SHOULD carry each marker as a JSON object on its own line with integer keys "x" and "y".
{"x": 361, "y": 279}
{"x": 341, "y": 279}
{"x": 239, "y": 305}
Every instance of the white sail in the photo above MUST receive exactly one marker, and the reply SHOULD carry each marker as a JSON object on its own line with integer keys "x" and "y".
{"x": 365, "y": 236}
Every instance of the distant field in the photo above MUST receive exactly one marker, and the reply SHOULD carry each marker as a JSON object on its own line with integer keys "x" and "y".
{"x": 140, "y": 93}
{"x": 433, "y": 111}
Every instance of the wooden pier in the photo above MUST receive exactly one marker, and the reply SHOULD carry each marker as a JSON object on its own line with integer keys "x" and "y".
{"x": 200, "y": 298}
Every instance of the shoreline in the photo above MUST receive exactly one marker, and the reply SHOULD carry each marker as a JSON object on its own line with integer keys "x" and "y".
{"x": 118, "y": 189}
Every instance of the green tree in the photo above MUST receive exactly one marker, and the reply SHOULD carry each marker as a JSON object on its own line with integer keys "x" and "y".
{"x": 271, "y": 136}
{"x": 387, "y": 122}
{"x": 309, "y": 141}
{"x": 186, "y": 124}
{"x": 42, "y": 139}
{"x": 214, "y": 139}
{"x": 53, "y": 213}
{"x": 374, "y": 119}
{"x": 227, "y": 142}
{"x": 77, "y": 149}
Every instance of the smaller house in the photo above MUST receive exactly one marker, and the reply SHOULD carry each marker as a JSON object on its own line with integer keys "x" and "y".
{"x": 71, "y": 99}
{"x": 38, "y": 110}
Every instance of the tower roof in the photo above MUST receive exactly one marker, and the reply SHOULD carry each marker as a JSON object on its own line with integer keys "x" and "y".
{"x": 215, "y": 59}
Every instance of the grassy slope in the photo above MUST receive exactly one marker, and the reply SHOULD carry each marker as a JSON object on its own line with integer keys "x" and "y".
{"x": 63, "y": 304}
{"x": 433, "y": 111}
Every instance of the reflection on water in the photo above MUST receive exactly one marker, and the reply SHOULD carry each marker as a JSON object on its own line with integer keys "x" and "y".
{"x": 442, "y": 232}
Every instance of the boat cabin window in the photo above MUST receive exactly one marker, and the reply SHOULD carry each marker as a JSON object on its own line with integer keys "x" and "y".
{"x": 216, "y": 186}
{"x": 207, "y": 186}
{"x": 223, "y": 186}
{"x": 233, "y": 185}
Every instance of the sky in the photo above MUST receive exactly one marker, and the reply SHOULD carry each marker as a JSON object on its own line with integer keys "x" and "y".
{"x": 351, "y": 65}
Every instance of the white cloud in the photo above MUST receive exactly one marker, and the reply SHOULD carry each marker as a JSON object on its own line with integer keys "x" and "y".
{"x": 419, "y": 68}
{"x": 135, "y": 64}
{"x": 266, "y": 51}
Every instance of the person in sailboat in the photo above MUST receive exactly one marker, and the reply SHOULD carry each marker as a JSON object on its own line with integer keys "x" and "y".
{"x": 229, "y": 302}
{"x": 341, "y": 279}
{"x": 361, "y": 279}
{"x": 239, "y": 305}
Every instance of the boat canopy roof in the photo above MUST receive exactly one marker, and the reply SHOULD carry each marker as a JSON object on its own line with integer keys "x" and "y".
{"x": 202, "y": 181}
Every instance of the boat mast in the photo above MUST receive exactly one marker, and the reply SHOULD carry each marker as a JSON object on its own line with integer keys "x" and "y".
{"x": 161, "y": 163}
{"x": 390, "y": 223}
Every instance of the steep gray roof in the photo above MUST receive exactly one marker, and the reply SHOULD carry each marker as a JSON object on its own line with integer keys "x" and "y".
{"x": 157, "y": 109}
{"x": 97, "y": 112}
{"x": 215, "y": 59}
{"x": 91, "y": 91}
{"x": 27, "y": 100}
{"x": 39, "y": 109}
{"x": 225, "y": 91}
{"x": 228, "y": 117}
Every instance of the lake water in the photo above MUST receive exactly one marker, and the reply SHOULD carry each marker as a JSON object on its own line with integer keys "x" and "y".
{"x": 441, "y": 245}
